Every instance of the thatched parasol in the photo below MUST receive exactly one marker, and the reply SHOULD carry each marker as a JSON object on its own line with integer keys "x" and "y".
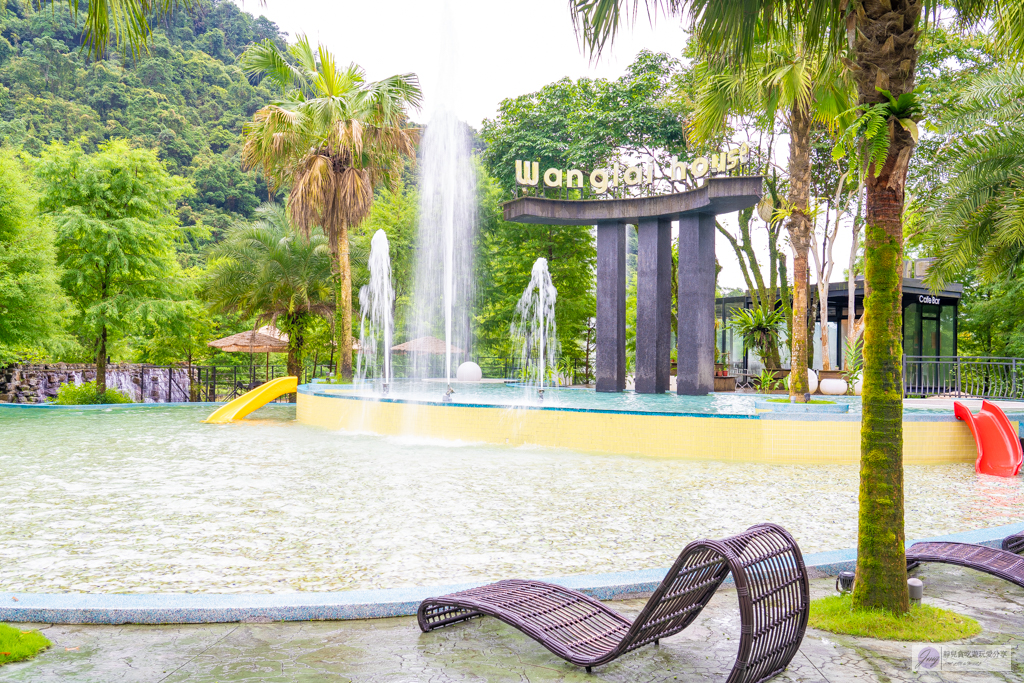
{"x": 267, "y": 339}
{"x": 424, "y": 345}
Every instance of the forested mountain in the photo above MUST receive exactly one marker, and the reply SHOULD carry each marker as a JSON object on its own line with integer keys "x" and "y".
{"x": 186, "y": 98}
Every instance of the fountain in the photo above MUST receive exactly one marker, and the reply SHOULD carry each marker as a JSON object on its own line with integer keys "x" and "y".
{"x": 444, "y": 275}
{"x": 376, "y": 301}
{"x": 534, "y": 331}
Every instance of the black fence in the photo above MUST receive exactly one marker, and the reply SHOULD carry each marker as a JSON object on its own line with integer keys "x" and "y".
{"x": 963, "y": 377}
{"x": 197, "y": 383}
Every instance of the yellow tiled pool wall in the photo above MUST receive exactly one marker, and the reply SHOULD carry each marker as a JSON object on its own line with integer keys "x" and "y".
{"x": 771, "y": 439}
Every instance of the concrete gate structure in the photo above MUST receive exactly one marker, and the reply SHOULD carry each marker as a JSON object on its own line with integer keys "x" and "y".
{"x": 695, "y": 210}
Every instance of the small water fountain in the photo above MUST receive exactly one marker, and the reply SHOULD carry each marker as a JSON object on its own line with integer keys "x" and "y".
{"x": 534, "y": 330}
{"x": 376, "y": 328}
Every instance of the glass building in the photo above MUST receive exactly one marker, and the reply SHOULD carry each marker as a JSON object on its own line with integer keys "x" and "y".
{"x": 929, "y": 325}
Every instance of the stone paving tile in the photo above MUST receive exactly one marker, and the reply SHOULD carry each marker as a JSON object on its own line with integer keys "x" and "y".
{"x": 394, "y": 650}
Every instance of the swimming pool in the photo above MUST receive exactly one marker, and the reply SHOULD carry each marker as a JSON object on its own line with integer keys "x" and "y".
{"x": 149, "y": 499}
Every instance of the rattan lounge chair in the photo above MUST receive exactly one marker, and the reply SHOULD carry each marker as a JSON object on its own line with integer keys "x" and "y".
{"x": 1002, "y": 563}
{"x": 1014, "y": 543}
{"x": 771, "y": 583}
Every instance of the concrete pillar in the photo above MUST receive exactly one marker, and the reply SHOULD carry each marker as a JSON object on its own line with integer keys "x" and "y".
{"x": 611, "y": 307}
{"x": 654, "y": 306}
{"x": 695, "y": 367}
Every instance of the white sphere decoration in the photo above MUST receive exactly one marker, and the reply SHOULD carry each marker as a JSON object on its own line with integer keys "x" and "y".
{"x": 812, "y": 381}
{"x": 858, "y": 386}
{"x": 833, "y": 387}
{"x": 469, "y": 372}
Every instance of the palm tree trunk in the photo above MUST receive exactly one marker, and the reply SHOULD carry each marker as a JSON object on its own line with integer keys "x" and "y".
{"x": 345, "y": 300}
{"x": 799, "y": 227}
{"x": 295, "y": 345}
{"x": 101, "y": 362}
{"x": 887, "y": 56}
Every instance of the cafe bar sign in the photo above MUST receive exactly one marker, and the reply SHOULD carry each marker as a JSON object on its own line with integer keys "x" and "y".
{"x": 528, "y": 173}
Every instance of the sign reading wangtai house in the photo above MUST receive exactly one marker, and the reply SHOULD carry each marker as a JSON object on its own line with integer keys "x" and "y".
{"x": 630, "y": 175}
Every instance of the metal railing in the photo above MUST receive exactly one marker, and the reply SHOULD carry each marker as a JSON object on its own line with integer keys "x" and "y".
{"x": 963, "y": 377}
{"x": 197, "y": 383}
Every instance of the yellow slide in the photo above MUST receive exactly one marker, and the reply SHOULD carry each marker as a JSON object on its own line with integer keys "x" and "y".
{"x": 250, "y": 401}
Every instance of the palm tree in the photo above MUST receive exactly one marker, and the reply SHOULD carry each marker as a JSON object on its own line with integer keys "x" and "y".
{"x": 129, "y": 22}
{"x": 266, "y": 270}
{"x": 807, "y": 86}
{"x": 978, "y": 218}
{"x": 334, "y": 137}
{"x": 877, "y": 41}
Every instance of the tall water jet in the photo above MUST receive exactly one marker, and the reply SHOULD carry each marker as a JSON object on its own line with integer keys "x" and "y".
{"x": 376, "y": 327}
{"x": 534, "y": 333}
{"x": 444, "y": 273}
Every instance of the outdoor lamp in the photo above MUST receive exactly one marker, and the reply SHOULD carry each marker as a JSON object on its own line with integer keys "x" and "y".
{"x": 844, "y": 582}
{"x": 916, "y": 588}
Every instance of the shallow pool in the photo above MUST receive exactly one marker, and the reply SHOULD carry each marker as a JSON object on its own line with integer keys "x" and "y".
{"x": 148, "y": 499}
{"x": 501, "y": 394}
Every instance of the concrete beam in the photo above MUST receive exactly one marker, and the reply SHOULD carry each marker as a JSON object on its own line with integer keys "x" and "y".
{"x": 695, "y": 353}
{"x": 654, "y": 306}
{"x": 715, "y": 196}
{"x": 610, "y": 365}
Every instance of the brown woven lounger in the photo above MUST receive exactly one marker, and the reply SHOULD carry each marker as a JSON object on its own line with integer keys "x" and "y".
{"x": 771, "y": 583}
{"x": 1001, "y": 563}
{"x": 1014, "y": 543}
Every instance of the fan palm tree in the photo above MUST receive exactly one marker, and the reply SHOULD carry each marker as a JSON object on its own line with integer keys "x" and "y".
{"x": 979, "y": 215}
{"x": 806, "y": 86}
{"x": 267, "y": 270}
{"x": 878, "y": 42}
{"x": 333, "y": 137}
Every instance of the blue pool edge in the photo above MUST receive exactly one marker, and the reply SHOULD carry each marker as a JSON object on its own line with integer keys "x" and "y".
{"x": 204, "y": 608}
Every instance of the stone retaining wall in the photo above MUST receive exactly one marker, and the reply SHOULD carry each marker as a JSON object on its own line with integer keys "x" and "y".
{"x": 40, "y": 383}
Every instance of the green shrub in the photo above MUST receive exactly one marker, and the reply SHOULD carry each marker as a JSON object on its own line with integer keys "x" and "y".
{"x": 85, "y": 395}
{"x": 16, "y": 644}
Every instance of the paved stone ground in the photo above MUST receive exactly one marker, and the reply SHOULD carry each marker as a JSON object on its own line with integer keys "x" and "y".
{"x": 394, "y": 650}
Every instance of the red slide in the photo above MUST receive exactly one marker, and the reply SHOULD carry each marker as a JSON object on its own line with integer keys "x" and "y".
{"x": 999, "y": 451}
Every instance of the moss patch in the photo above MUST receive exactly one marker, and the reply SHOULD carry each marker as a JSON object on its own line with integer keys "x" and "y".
{"x": 922, "y": 623}
{"x": 16, "y": 644}
{"x": 807, "y": 403}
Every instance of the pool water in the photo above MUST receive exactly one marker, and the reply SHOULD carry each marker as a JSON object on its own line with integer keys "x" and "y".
{"x": 500, "y": 394}
{"x": 149, "y": 499}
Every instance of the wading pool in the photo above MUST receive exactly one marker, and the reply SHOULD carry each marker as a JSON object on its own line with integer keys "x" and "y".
{"x": 149, "y": 499}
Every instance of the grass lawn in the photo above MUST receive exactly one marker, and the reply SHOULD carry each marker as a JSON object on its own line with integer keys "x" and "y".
{"x": 923, "y": 622}
{"x": 16, "y": 644}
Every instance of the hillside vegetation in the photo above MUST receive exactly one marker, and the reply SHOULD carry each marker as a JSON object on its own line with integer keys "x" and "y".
{"x": 186, "y": 98}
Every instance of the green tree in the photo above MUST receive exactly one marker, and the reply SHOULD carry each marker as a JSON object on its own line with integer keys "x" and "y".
{"x": 881, "y": 39}
{"x": 978, "y": 214}
{"x": 178, "y": 99}
{"x": 582, "y": 124}
{"x": 181, "y": 333}
{"x": 116, "y": 230}
{"x": 591, "y": 122}
{"x": 506, "y": 257}
{"x": 395, "y": 211}
{"x": 126, "y": 23}
{"x": 782, "y": 76}
{"x": 268, "y": 271}
{"x": 334, "y": 138}
{"x": 32, "y": 306}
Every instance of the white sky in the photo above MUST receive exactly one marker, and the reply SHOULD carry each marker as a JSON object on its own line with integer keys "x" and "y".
{"x": 492, "y": 50}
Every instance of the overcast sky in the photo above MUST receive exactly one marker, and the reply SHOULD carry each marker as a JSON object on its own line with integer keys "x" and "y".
{"x": 490, "y": 51}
